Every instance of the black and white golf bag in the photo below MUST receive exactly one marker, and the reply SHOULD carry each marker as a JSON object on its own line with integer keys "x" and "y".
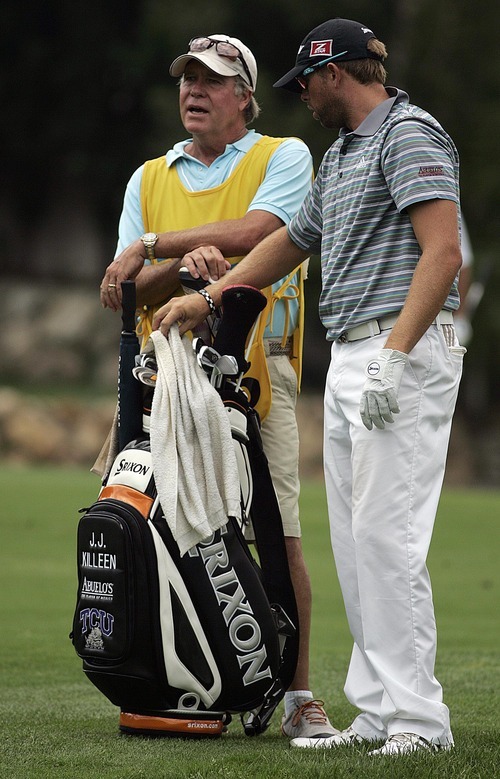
{"x": 180, "y": 644}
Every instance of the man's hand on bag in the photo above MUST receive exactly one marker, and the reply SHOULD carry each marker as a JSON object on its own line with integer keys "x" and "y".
{"x": 379, "y": 400}
{"x": 126, "y": 266}
{"x": 187, "y": 310}
{"x": 206, "y": 262}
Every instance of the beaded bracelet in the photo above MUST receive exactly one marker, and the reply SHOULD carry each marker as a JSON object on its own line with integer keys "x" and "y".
{"x": 209, "y": 299}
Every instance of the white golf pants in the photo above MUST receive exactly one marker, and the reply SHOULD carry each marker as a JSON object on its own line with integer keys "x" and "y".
{"x": 383, "y": 488}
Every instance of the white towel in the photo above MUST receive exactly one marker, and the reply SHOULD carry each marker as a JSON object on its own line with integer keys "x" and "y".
{"x": 194, "y": 462}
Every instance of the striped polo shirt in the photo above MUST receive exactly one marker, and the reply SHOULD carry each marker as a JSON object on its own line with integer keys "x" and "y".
{"x": 355, "y": 214}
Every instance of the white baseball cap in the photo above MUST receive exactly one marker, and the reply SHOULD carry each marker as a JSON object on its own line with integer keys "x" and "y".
{"x": 223, "y": 55}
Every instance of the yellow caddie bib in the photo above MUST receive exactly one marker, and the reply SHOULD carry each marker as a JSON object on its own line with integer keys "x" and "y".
{"x": 168, "y": 206}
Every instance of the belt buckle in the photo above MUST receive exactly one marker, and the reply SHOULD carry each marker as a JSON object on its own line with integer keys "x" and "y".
{"x": 343, "y": 338}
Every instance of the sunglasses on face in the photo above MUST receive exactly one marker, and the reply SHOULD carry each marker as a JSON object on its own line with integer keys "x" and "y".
{"x": 223, "y": 49}
{"x": 307, "y": 72}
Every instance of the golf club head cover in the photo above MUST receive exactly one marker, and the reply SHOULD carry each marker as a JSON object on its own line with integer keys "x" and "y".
{"x": 241, "y": 305}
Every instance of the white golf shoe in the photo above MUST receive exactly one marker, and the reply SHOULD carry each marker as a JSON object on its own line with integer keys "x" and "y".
{"x": 406, "y": 743}
{"x": 346, "y": 738}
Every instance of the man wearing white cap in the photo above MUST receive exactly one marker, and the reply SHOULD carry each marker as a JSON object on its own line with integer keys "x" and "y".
{"x": 205, "y": 205}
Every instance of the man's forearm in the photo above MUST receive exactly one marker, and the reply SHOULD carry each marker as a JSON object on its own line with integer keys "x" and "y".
{"x": 234, "y": 237}
{"x": 429, "y": 289}
{"x": 156, "y": 283}
{"x": 273, "y": 258}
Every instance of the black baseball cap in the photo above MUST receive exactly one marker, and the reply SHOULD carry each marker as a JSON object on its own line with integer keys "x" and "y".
{"x": 337, "y": 40}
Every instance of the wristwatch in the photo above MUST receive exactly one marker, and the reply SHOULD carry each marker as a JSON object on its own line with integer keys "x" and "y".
{"x": 149, "y": 240}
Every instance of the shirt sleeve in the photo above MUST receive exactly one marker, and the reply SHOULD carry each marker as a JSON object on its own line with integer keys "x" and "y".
{"x": 288, "y": 179}
{"x": 419, "y": 163}
{"x": 306, "y": 227}
{"x": 131, "y": 225}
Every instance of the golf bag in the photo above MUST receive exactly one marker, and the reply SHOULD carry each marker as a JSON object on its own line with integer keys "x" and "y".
{"x": 180, "y": 643}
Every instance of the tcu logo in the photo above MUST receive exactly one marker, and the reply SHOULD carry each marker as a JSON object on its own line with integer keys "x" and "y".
{"x": 96, "y": 618}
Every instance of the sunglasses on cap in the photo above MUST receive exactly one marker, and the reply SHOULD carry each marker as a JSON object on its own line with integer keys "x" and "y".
{"x": 307, "y": 71}
{"x": 223, "y": 49}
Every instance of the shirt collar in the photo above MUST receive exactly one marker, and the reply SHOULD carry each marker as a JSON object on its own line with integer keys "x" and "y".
{"x": 244, "y": 144}
{"x": 375, "y": 119}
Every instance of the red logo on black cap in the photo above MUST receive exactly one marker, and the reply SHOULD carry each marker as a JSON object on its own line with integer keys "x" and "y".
{"x": 321, "y": 48}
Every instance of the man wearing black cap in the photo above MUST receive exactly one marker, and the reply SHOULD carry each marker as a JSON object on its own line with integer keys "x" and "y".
{"x": 383, "y": 213}
{"x": 204, "y": 205}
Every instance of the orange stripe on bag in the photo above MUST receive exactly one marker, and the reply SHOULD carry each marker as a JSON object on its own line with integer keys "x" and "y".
{"x": 188, "y": 727}
{"x": 135, "y": 498}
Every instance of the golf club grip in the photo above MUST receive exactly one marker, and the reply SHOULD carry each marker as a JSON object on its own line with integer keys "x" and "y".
{"x": 128, "y": 306}
{"x": 241, "y": 305}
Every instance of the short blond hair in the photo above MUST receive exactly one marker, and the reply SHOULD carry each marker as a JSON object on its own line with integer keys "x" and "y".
{"x": 367, "y": 71}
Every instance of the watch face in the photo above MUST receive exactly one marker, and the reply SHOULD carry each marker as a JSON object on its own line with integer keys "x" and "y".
{"x": 150, "y": 238}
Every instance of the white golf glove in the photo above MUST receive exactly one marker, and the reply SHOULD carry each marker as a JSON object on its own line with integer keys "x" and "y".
{"x": 379, "y": 400}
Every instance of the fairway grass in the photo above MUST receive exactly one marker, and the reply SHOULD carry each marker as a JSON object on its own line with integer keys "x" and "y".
{"x": 56, "y": 725}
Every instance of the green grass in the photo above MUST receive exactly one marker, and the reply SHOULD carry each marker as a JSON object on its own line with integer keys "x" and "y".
{"x": 55, "y": 724}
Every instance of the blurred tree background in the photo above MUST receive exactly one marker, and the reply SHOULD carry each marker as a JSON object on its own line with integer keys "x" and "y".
{"x": 87, "y": 98}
